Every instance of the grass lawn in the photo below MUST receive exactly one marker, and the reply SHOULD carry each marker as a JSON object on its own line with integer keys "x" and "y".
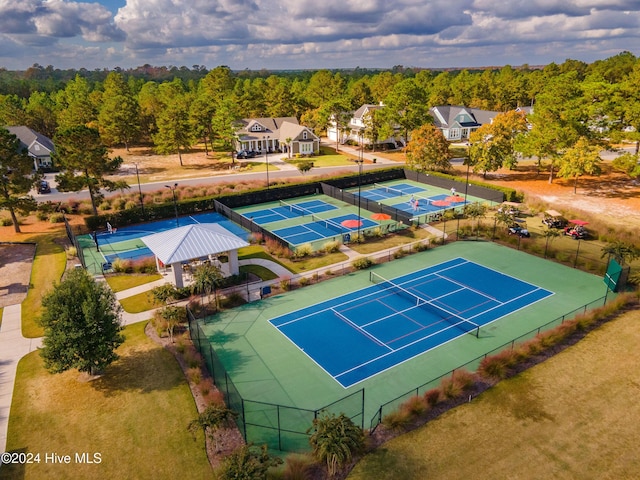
{"x": 48, "y": 267}
{"x": 403, "y": 237}
{"x": 260, "y": 271}
{"x": 118, "y": 283}
{"x": 140, "y": 302}
{"x": 135, "y": 417}
{"x": 573, "y": 416}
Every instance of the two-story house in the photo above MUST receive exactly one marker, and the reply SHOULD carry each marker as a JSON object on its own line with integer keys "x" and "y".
{"x": 355, "y": 129}
{"x": 282, "y": 134}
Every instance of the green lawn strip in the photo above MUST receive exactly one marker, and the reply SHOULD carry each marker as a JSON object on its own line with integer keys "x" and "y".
{"x": 403, "y": 237}
{"x": 48, "y": 267}
{"x": 256, "y": 251}
{"x": 259, "y": 271}
{"x": 566, "y": 418}
{"x": 135, "y": 417}
{"x": 118, "y": 283}
{"x": 140, "y": 302}
{"x": 323, "y": 161}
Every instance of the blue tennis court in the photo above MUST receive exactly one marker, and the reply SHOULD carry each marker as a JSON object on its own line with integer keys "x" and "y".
{"x": 365, "y": 332}
{"x": 107, "y": 241}
{"x": 382, "y": 192}
{"x": 322, "y": 228}
{"x": 289, "y": 210}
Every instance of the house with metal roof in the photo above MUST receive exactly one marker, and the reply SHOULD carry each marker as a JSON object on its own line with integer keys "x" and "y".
{"x": 37, "y": 145}
{"x": 280, "y": 134}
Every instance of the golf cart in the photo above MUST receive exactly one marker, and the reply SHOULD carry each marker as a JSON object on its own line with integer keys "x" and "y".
{"x": 519, "y": 229}
{"x": 576, "y": 229}
{"x": 553, "y": 219}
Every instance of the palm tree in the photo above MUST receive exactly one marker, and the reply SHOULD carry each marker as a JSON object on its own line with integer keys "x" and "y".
{"x": 206, "y": 279}
{"x": 477, "y": 211}
{"x": 335, "y": 440}
{"x": 621, "y": 251}
{"x": 214, "y": 417}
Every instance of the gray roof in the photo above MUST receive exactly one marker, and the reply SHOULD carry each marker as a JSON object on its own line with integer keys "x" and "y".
{"x": 186, "y": 243}
{"x": 30, "y": 138}
{"x": 445, "y": 115}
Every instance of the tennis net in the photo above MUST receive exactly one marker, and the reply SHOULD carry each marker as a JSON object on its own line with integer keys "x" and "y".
{"x": 454, "y": 320}
{"x": 401, "y": 193}
{"x": 298, "y": 210}
{"x": 329, "y": 224}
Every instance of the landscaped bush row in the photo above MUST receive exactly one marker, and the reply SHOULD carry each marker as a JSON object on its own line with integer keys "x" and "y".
{"x": 493, "y": 368}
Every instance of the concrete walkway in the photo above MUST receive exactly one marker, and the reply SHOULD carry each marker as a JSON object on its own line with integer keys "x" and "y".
{"x": 13, "y": 346}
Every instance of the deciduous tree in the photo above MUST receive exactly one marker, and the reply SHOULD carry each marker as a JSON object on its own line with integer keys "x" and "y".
{"x": 428, "y": 150}
{"x": 582, "y": 159}
{"x": 81, "y": 320}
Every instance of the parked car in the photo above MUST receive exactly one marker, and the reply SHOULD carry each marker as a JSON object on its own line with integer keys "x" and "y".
{"x": 246, "y": 154}
{"x": 44, "y": 187}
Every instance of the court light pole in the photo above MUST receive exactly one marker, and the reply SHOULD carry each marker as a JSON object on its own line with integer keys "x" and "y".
{"x": 360, "y": 161}
{"x": 140, "y": 191}
{"x": 175, "y": 202}
{"x": 266, "y": 158}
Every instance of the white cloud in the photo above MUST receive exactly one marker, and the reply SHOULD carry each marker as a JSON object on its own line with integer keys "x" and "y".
{"x": 315, "y": 34}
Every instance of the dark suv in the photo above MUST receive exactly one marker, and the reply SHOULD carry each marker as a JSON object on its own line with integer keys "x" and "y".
{"x": 44, "y": 187}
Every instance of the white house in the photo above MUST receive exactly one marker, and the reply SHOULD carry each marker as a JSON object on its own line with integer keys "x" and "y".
{"x": 354, "y": 130}
{"x": 38, "y": 146}
{"x": 276, "y": 134}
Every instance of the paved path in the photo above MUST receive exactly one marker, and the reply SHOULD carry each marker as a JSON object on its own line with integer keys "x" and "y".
{"x": 13, "y": 346}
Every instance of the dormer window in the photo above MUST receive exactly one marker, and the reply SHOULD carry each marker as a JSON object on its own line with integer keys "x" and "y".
{"x": 256, "y": 128}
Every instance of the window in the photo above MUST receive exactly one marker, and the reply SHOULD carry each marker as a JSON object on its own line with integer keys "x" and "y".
{"x": 304, "y": 135}
{"x": 454, "y": 133}
{"x": 306, "y": 148}
{"x": 256, "y": 128}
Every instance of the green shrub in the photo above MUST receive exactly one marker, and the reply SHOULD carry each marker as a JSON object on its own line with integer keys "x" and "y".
{"x": 331, "y": 247}
{"x": 421, "y": 247}
{"x": 130, "y": 204}
{"x": 303, "y": 251}
{"x": 285, "y": 284}
{"x": 56, "y": 218}
{"x": 304, "y": 281}
{"x": 233, "y": 300}
{"x": 399, "y": 253}
{"x": 72, "y": 252}
{"x": 362, "y": 263}
{"x": 105, "y": 205}
{"x": 42, "y": 216}
{"x": 194, "y": 375}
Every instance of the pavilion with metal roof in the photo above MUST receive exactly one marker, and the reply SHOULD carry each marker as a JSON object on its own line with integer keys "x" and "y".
{"x": 184, "y": 245}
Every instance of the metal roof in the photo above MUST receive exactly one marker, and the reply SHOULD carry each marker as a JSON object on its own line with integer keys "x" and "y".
{"x": 186, "y": 243}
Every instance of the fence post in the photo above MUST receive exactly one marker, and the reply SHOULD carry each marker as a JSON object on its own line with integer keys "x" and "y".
{"x": 279, "y": 429}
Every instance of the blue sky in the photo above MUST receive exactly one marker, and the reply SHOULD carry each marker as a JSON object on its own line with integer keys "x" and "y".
{"x": 311, "y": 34}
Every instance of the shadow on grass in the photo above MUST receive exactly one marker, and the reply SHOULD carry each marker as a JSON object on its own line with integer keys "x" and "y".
{"x": 140, "y": 371}
{"x": 15, "y": 469}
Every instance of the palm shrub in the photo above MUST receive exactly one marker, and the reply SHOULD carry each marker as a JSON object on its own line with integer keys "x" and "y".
{"x": 335, "y": 440}
{"x": 247, "y": 464}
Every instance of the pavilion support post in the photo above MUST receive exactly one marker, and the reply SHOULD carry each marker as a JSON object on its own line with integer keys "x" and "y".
{"x": 234, "y": 265}
{"x": 176, "y": 271}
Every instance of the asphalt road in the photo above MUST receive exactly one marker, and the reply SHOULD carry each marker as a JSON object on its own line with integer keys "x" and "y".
{"x": 56, "y": 196}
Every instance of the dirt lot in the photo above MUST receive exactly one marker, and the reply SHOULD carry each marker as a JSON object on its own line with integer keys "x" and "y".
{"x": 15, "y": 272}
